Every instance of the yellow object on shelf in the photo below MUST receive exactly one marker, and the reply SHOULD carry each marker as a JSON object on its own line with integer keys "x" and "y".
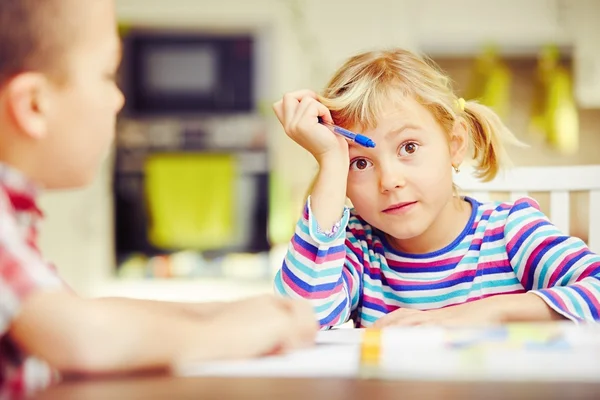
{"x": 190, "y": 200}
{"x": 490, "y": 82}
{"x": 554, "y": 111}
{"x": 561, "y": 115}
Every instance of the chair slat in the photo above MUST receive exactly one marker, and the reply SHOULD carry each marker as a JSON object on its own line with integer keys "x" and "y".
{"x": 517, "y": 195}
{"x": 481, "y": 196}
{"x": 594, "y": 230}
{"x": 560, "y": 210}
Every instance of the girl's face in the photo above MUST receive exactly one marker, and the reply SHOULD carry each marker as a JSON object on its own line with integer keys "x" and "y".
{"x": 404, "y": 184}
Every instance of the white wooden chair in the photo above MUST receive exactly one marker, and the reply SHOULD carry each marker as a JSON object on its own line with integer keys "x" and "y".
{"x": 558, "y": 181}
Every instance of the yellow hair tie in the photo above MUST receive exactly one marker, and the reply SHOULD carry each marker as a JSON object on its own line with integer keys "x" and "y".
{"x": 461, "y": 104}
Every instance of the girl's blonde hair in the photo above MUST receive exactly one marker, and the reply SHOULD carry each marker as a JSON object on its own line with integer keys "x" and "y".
{"x": 359, "y": 90}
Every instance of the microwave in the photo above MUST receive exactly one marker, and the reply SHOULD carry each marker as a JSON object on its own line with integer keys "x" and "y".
{"x": 187, "y": 72}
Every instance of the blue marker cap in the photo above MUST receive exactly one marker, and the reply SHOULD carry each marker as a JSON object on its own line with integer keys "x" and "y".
{"x": 364, "y": 141}
{"x": 355, "y": 137}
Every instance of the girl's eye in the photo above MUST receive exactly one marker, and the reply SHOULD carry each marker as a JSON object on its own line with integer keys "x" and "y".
{"x": 408, "y": 148}
{"x": 360, "y": 164}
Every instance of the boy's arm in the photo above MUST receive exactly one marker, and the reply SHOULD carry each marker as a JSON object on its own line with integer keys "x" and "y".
{"x": 78, "y": 335}
{"x": 194, "y": 309}
{"x": 95, "y": 336}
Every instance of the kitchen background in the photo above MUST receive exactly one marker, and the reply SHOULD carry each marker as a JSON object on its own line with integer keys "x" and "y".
{"x": 202, "y": 189}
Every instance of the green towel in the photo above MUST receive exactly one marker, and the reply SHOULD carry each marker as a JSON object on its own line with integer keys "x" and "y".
{"x": 190, "y": 199}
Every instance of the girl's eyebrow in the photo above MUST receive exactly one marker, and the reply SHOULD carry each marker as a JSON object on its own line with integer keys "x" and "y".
{"x": 400, "y": 129}
{"x": 391, "y": 133}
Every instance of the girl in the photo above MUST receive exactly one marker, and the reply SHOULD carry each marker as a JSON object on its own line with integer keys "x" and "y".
{"x": 411, "y": 251}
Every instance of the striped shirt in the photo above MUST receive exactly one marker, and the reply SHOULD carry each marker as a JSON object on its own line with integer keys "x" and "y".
{"x": 505, "y": 248}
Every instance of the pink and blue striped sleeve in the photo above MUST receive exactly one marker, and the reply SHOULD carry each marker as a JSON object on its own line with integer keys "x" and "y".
{"x": 557, "y": 267}
{"x": 319, "y": 267}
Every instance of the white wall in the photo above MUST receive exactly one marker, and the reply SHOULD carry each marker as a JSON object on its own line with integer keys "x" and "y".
{"x": 77, "y": 232}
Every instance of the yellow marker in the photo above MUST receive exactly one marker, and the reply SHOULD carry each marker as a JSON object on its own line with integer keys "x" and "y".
{"x": 370, "y": 353}
{"x": 520, "y": 335}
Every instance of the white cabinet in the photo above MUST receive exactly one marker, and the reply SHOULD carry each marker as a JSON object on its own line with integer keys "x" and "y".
{"x": 586, "y": 49}
{"x": 515, "y": 25}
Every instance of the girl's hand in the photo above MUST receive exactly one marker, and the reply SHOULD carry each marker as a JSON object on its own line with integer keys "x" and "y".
{"x": 500, "y": 309}
{"x": 476, "y": 313}
{"x": 298, "y": 112}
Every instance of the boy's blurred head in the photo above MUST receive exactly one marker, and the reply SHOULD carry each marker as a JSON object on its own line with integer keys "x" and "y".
{"x": 58, "y": 95}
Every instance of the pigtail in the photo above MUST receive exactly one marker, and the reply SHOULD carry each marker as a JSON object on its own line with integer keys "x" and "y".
{"x": 489, "y": 138}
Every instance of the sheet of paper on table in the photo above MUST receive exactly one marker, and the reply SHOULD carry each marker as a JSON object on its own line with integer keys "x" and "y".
{"x": 555, "y": 352}
{"x": 336, "y": 354}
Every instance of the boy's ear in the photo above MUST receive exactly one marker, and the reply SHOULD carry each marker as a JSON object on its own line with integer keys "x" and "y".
{"x": 26, "y": 102}
{"x": 459, "y": 142}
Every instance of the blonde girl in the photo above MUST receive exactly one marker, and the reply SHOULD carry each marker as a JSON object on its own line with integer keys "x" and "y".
{"x": 411, "y": 250}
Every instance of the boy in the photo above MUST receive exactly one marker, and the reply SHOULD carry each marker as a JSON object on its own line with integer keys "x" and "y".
{"x": 58, "y": 104}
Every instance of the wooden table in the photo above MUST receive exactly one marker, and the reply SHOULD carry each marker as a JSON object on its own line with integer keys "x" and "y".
{"x": 166, "y": 387}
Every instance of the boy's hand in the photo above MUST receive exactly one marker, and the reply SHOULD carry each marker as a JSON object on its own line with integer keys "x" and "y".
{"x": 263, "y": 325}
{"x": 298, "y": 112}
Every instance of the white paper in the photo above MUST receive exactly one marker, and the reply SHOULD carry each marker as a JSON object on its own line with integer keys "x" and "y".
{"x": 340, "y": 336}
{"x": 336, "y": 354}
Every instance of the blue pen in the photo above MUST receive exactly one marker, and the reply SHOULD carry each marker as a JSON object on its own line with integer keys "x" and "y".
{"x": 355, "y": 137}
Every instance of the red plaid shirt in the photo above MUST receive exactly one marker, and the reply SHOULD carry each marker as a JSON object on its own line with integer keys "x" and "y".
{"x": 22, "y": 272}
